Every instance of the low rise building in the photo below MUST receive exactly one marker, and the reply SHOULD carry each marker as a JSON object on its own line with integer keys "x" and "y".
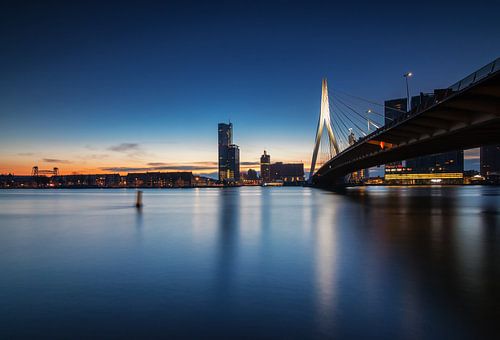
{"x": 288, "y": 173}
{"x": 159, "y": 180}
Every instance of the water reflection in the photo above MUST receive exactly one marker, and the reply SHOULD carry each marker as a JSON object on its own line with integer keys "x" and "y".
{"x": 264, "y": 214}
{"x": 326, "y": 247}
{"x": 252, "y": 262}
{"x": 442, "y": 249}
{"x": 227, "y": 241}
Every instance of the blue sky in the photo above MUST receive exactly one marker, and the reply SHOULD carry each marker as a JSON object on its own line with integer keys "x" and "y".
{"x": 81, "y": 79}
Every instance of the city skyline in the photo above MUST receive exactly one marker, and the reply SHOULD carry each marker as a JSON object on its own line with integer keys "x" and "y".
{"x": 147, "y": 93}
{"x": 263, "y": 169}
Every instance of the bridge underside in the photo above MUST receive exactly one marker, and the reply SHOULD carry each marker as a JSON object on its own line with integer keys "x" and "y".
{"x": 466, "y": 119}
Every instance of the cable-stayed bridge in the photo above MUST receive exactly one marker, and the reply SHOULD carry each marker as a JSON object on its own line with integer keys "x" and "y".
{"x": 464, "y": 115}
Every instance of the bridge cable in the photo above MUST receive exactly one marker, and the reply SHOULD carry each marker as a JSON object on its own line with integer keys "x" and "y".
{"x": 370, "y": 101}
{"x": 345, "y": 136}
{"x": 352, "y": 122}
{"x": 371, "y": 110}
{"x": 339, "y": 112}
{"x": 363, "y": 118}
{"x": 341, "y": 101}
{"x": 341, "y": 138}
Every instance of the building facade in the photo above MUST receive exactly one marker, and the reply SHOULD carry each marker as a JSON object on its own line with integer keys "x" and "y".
{"x": 229, "y": 154}
{"x": 252, "y": 175}
{"x": 159, "y": 180}
{"x": 490, "y": 163}
{"x": 265, "y": 163}
{"x": 449, "y": 165}
{"x": 291, "y": 173}
{"x": 393, "y": 110}
{"x": 233, "y": 165}
{"x": 84, "y": 180}
{"x": 446, "y": 168}
{"x": 251, "y": 178}
{"x": 360, "y": 175}
{"x": 225, "y": 133}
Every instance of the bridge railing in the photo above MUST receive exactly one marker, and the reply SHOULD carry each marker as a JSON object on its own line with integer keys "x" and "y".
{"x": 472, "y": 78}
{"x": 460, "y": 85}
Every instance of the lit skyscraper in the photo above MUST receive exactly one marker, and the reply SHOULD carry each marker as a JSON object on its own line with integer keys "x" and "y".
{"x": 225, "y": 139}
{"x": 265, "y": 162}
{"x": 229, "y": 154}
{"x": 233, "y": 168}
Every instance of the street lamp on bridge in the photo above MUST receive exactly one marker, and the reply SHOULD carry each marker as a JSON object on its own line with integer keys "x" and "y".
{"x": 406, "y": 76}
{"x": 369, "y": 121}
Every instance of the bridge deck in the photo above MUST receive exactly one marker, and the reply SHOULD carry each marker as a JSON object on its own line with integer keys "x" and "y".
{"x": 468, "y": 117}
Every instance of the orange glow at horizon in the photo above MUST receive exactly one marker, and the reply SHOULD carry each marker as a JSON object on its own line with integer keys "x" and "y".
{"x": 24, "y": 168}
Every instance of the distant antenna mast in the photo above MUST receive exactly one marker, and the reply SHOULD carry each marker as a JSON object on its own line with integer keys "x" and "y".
{"x": 324, "y": 122}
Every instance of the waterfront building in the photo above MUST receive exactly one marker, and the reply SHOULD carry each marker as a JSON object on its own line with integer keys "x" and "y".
{"x": 446, "y": 168}
{"x": 443, "y": 168}
{"x": 203, "y": 181}
{"x": 449, "y": 165}
{"x": 452, "y": 161}
{"x": 131, "y": 180}
{"x": 473, "y": 177}
{"x": 87, "y": 181}
{"x": 251, "y": 178}
{"x": 233, "y": 163}
{"x": 229, "y": 154}
{"x": 490, "y": 163}
{"x": 288, "y": 173}
{"x": 265, "y": 163}
{"x": 159, "y": 180}
{"x": 292, "y": 173}
{"x": 252, "y": 175}
{"x": 360, "y": 175}
{"x": 14, "y": 181}
{"x": 393, "y": 110}
{"x": 225, "y": 139}
{"x": 61, "y": 181}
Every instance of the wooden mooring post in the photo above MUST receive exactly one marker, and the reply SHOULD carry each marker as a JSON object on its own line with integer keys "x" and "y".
{"x": 138, "y": 199}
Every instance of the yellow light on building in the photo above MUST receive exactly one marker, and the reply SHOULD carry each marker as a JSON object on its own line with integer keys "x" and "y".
{"x": 451, "y": 175}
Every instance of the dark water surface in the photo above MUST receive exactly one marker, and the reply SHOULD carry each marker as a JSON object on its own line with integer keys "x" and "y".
{"x": 251, "y": 262}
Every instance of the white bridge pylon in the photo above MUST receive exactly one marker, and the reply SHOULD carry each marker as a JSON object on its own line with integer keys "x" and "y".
{"x": 324, "y": 122}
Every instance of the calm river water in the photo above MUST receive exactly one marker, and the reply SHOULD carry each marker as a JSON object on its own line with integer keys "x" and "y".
{"x": 251, "y": 262}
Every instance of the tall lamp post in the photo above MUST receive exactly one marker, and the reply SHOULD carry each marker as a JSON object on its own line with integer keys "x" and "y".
{"x": 406, "y": 76}
{"x": 368, "y": 119}
{"x": 370, "y": 122}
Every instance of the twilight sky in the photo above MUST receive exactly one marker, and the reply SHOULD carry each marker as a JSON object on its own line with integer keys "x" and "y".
{"x": 102, "y": 87}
